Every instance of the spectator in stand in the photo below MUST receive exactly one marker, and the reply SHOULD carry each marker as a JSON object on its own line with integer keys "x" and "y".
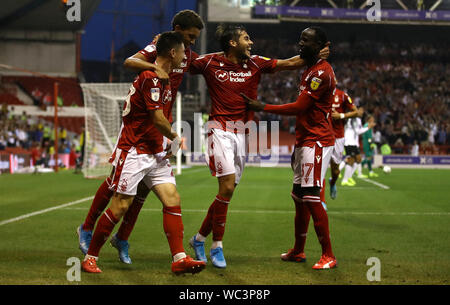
{"x": 442, "y": 134}
{"x": 73, "y": 156}
{"x": 3, "y": 142}
{"x": 47, "y": 100}
{"x": 35, "y": 153}
{"x": 37, "y": 96}
{"x": 46, "y": 133}
{"x": 62, "y": 135}
{"x": 415, "y": 149}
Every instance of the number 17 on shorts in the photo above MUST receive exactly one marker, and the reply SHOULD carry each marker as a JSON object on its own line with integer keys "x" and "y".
{"x": 310, "y": 164}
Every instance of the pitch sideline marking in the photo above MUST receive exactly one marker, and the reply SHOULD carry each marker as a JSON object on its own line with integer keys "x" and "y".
{"x": 4, "y": 222}
{"x": 376, "y": 183}
{"x": 291, "y": 212}
{"x": 64, "y": 205}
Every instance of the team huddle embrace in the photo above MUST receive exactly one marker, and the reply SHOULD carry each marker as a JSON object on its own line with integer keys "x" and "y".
{"x": 140, "y": 160}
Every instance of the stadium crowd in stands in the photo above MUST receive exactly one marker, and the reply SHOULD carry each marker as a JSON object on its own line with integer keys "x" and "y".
{"x": 24, "y": 133}
{"x": 404, "y": 87}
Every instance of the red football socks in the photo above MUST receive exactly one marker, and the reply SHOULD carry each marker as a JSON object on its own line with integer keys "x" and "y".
{"x": 220, "y": 217}
{"x": 104, "y": 228}
{"x": 99, "y": 204}
{"x": 215, "y": 218}
{"x": 130, "y": 218}
{"x": 322, "y": 192}
{"x": 206, "y": 227}
{"x": 301, "y": 223}
{"x": 173, "y": 227}
{"x": 320, "y": 219}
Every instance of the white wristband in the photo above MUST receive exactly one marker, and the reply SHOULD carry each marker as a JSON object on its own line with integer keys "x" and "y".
{"x": 342, "y": 116}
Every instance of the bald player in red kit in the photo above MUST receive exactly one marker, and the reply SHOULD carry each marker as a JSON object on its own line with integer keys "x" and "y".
{"x": 313, "y": 148}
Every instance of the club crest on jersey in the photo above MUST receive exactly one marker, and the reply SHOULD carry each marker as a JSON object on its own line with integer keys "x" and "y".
{"x": 155, "y": 94}
{"x": 315, "y": 83}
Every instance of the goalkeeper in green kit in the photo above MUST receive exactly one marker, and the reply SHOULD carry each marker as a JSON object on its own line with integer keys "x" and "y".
{"x": 368, "y": 146}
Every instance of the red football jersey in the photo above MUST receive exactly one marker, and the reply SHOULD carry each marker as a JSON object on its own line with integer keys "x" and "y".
{"x": 342, "y": 103}
{"x": 226, "y": 80}
{"x": 175, "y": 77}
{"x": 313, "y": 125}
{"x": 146, "y": 94}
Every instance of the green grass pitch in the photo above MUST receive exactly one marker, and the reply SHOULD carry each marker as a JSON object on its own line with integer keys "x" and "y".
{"x": 406, "y": 227}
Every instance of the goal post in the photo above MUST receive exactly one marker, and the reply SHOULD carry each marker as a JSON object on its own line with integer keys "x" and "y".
{"x": 103, "y": 104}
{"x": 103, "y": 119}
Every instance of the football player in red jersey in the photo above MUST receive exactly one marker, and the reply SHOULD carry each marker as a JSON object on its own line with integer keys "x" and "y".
{"x": 188, "y": 24}
{"x": 342, "y": 109}
{"x": 313, "y": 148}
{"x": 227, "y": 75}
{"x": 138, "y": 158}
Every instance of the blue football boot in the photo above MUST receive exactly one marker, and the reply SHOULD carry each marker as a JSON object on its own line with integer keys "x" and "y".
{"x": 199, "y": 249}
{"x": 333, "y": 190}
{"x": 122, "y": 246}
{"x": 84, "y": 239}
{"x": 217, "y": 258}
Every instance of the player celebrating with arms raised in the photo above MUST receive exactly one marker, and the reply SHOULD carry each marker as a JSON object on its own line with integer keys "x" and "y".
{"x": 313, "y": 147}
{"x": 226, "y": 76}
{"x": 138, "y": 157}
{"x": 189, "y": 24}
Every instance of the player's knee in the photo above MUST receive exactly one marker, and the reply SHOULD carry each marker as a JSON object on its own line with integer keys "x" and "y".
{"x": 226, "y": 187}
{"x": 335, "y": 171}
{"x": 172, "y": 200}
{"x": 142, "y": 190}
{"x": 120, "y": 204}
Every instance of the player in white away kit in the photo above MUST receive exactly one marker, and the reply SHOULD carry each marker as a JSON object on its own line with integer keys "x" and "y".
{"x": 353, "y": 128}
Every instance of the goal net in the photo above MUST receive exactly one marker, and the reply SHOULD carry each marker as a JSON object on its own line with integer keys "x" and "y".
{"x": 103, "y": 118}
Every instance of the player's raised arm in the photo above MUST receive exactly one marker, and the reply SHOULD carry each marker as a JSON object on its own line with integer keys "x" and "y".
{"x": 355, "y": 112}
{"x": 302, "y": 103}
{"x": 297, "y": 62}
{"x": 138, "y": 63}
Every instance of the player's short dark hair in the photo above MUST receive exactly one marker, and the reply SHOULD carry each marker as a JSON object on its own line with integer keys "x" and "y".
{"x": 187, "y": 19}
{"x": 225, "y": 33}
{"x": 168, "y": 41}
{"x": 320, "y": 35}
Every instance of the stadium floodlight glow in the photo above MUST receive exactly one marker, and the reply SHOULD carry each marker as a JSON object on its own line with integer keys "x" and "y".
{"x": 435, "y": 5}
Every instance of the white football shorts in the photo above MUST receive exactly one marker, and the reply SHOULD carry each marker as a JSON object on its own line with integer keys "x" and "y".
{"x": 130, "y": 168}
{"x": 226, "y": 153}
{"x": 310, "y": 165}
{"x": 338, "y": 151}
